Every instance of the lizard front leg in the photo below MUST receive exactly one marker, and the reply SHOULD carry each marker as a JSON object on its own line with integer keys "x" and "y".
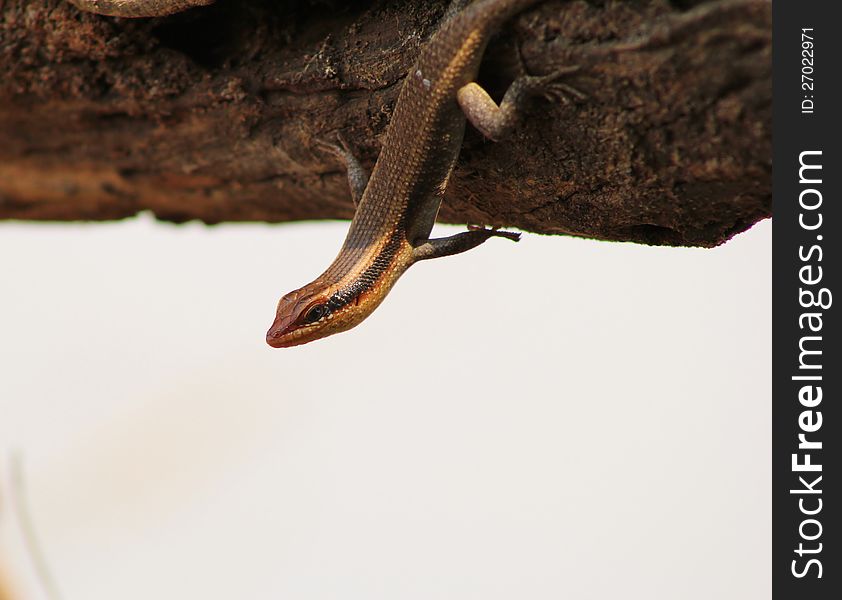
{"x": 357, "y": 174}
{"x": 495, "y": 122}
{"x": 461, "y": 242}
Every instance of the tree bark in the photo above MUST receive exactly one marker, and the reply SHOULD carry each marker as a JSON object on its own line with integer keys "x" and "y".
{"x": 215, "y": 114}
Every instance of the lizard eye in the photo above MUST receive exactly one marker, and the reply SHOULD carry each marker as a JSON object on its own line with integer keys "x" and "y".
{"x": 315, "y": 313}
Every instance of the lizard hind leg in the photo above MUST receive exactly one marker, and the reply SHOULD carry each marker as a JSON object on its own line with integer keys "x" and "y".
{"x": 496, "y": 122}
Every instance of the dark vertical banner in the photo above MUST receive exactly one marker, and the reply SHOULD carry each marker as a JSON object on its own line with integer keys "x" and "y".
{"x": 807, "y": 365}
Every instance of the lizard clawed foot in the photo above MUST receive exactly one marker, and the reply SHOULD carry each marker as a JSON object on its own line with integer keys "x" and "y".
{"x": 340, "y": 148}
{"x": 495, "y": 232}
{"x": 550, "y": 88}
{"x": 563, "y": 92}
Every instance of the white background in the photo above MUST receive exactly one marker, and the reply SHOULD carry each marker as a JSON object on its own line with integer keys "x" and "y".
{"x": 559, "y": 418}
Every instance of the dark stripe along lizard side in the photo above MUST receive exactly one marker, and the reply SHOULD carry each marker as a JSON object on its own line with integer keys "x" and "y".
{"x": 398, "y": 204}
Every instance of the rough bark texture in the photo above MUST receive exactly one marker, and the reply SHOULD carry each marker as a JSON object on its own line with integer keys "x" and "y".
{"x": 137, "y": 8}
{"x": 214, "y": 114}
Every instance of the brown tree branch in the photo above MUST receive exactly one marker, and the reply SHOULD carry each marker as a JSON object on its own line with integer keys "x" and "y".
{"x": 215, "y": 114}
{"x": 137, "y": 8}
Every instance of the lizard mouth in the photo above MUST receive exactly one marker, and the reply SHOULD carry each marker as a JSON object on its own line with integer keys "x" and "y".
{"x": 280, "y": 334}
{"x": 285, "y": 334}
{"x": 279, "y": 338}
{"x": 275, "y": 339}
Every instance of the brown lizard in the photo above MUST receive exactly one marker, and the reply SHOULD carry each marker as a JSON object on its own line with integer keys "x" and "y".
{"x": 398, "y": 204}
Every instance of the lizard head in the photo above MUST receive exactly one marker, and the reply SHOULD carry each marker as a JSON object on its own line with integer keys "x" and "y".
{"x": 333, "y": 304}
{"x": 302, "y": 316}
{"x": 311, "y": 313}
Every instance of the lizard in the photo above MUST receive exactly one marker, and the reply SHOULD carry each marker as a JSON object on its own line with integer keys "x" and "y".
{"x": 398, "y": 204}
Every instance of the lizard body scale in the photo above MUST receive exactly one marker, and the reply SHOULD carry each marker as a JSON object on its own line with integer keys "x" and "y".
{"x": 398, "y": 204}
